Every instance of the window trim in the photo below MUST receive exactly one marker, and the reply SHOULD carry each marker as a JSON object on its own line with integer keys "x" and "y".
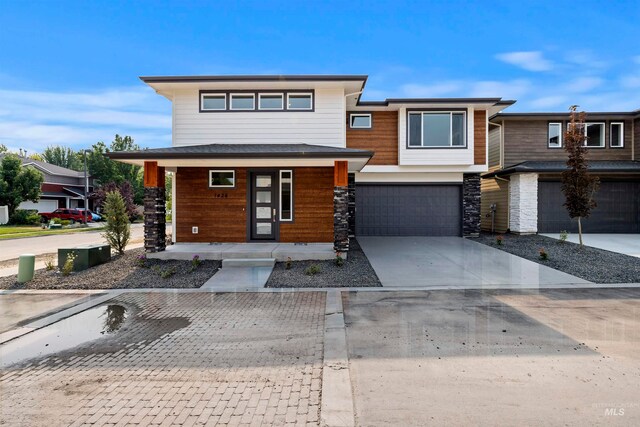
{"x": 352, "y": 115}
{"x": 603, "y": 139}
{"x": 218, "y": 94}
{"x": 553, "y": 147}
{"x": 261, "y": 94}
{"x": 282, "y": 180}
{"x": 311, "y": 99}
{"x": 465, "y": 113}
{"x": 212, "y": 171}
{"x": 621, "y": 135}
{"x": 244, "y": 94}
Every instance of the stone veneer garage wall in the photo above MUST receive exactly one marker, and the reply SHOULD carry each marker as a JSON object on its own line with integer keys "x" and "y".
{"x": 523, "y": 203}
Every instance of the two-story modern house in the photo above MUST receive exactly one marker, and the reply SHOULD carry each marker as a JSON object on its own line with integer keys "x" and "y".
{"x": 301, "y": 158}
{"x": 527, "y": 157}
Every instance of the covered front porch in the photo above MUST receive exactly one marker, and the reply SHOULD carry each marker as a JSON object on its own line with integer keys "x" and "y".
{"x": 275, "y": 201}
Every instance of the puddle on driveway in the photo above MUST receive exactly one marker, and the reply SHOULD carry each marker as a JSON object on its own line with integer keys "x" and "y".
{"x": 81, "y": 328}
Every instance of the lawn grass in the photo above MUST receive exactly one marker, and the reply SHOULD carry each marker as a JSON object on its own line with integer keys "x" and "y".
{"x": 20, "y": 231}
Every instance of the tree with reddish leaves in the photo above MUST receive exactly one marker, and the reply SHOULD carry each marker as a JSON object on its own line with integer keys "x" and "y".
{"x": 578, "y": 185}
{"x": 126, "y": 191}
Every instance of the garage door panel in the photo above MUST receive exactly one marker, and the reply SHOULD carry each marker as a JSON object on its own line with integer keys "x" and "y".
{"x": 408, "y": 210}
{"x": 618, "y": 209}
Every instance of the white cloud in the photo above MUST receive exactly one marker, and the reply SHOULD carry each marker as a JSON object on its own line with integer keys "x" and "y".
{"x": 529, "y": 60}
{"x": 584, "y": 84}
{"x": 33, "y": 120}
{"x": 512, "y": 89}
{"x": 552, "y": 102}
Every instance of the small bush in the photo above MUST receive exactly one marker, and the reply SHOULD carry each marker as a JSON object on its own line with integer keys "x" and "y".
{"x": 117, "y": 231}
{"x": 67, "y": 268}
{"x": 165, "y": 274}
{"x": 65, "y": 222}
{"x": 500, "y": 240}
{"x": 312, "y": 270}
{"x": 564, "y": 235}
{"x": 543, "y": 254}
{"x": 56, "y": 221}
{"x": 196, "y": 262}
{"x": 141, "y": 261}
{"x": 288, "y": 264}
{"x": 49, "y": 265}
{"x": 339, "y": 260}
{"x": 25, "y": 217}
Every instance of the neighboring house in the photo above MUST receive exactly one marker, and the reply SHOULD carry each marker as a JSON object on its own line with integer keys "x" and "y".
{"x": 62, "y": 187}
{"x": 527, "y": 157}
{"x": 302, "y": 159}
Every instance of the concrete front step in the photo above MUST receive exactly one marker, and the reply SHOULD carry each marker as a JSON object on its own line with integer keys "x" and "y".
{"x": 248, "y": 262}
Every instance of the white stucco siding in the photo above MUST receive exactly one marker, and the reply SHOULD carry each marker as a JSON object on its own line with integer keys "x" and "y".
{"x": 431, "y": 156}
{"x": 523, "y": 203}
{"x": 323, "y": 126}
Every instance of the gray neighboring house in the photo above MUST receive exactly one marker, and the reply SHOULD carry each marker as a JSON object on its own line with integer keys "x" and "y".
{"x": 62, "y": 187}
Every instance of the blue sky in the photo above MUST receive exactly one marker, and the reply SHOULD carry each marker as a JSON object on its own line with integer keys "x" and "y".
{"x": 69, "y": 70}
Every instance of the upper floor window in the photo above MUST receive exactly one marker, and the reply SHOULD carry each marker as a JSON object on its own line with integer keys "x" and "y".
{"x": 360, "y": 121}
{"x": 441, "y": 129}
{"x": 240, "y": 101}
{"x": 595, "y": 135}
{"x": 555, "y": 135}
{"x": 213, "y": 102}
{"x": 299, "y": 101}
{"x": 271, "y": 101}
{"x": 616, "y": 135}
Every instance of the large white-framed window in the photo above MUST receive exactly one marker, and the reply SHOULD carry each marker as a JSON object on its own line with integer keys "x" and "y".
{"x": 616, "y": 135}
{"x": 286, "y": 195}
{"x": 222, "y": 178}
{"x": 243, "y": 101}
{"x": 213, "y": 101}
{"x": 594, "y": 133}
{"x": 360, "y": 121}
{"x": 554, "y": 137}
{"x": 299, "y": 101}
{"x": 437, "y": 129}
{"x": 271, "y": 101}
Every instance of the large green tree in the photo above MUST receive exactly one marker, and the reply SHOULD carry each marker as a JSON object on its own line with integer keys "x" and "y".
{"x": 18, "y": 183}
{"x": 105, "y": 170}
{"x": 63, "y": 156}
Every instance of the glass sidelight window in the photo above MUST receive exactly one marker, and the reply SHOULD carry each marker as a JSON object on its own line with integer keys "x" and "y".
{"x": 616, "y": 138}
{"x": 286, "y": 195}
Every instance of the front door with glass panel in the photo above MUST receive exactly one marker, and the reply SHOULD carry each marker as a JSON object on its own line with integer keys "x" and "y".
{"x": 263, "y": 206}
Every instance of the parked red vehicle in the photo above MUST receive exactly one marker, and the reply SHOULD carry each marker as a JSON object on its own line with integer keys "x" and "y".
{"x": 72, "y": 215}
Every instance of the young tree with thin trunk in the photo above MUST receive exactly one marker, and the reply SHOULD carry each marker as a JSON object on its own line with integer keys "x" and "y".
{"x": 117, "y": 231}
{"x": 578, "y": 185}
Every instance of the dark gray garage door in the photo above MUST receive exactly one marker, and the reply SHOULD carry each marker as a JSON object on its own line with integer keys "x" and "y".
{"x": 408, "y": 210}
{"x": 618, "y": 209}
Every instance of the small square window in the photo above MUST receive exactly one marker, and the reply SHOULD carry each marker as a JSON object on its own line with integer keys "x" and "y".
{"x": 243, "y": 102}
{"x": 360, "y": 121}
{"x": 299, "y": 101}
{"x": 222, "y": 178}
{"x": 616, "y": 135}
{"x": 214, "y": 102}
{"x": 271, "y": 101}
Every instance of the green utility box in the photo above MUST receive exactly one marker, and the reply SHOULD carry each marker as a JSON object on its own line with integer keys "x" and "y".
{"x": 86, "y": 256}
{"x": 26, "y": 267}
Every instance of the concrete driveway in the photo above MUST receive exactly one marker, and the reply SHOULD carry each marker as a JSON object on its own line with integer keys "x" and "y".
{"x": 628, "y": 244}
{"x": 453, "y": 262}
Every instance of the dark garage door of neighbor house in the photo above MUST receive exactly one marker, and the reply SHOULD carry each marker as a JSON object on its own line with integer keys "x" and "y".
{"x": 618, "y": 209}
{"x": 408, "y": 210}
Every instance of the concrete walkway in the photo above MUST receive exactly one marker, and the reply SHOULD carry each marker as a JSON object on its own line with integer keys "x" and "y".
{"x": 452, "y": 261}
{"x": 238, "y": 278}
{"x": 217, "y": 251}
{"x": 628, "y": 244}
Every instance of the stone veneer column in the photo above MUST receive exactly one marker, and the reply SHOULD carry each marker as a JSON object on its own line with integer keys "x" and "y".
{"x": 154, "y": 219}
{"x": 523, "y": 203}
{"x": 471, "y": 205}
{"x": 351, "y": 208}
{"x": 340, "y": 219}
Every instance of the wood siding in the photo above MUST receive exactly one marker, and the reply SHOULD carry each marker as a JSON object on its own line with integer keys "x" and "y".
{"x": 479, "y": 137}
{"x": 494, "y": 191}
{"x": 382, "y": 138}
{"x": 494, "y": 148}
{"x": 221, "y": 214}
{"x": 636, "y": 137}
{"x": 323, "y": 126}
{"x": 312, "y": 207}
{"x": 527, "y": 140}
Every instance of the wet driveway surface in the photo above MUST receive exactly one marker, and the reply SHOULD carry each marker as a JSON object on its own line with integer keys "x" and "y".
{"x": 183, "y": 358}
{"x": 455, "y": 263}
{"x": 552, "y": 357}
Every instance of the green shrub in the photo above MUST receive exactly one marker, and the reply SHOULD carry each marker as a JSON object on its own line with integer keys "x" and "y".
{"x": 288, "y": 264}
{"x": 543, "y": 254}
{"x": 25, "y": 217}
{"x": 56, "y": 221}
{"x": 165, "y": 274}
{"x": 65, "y": 222}
{"x": 49, "y": 265}
{"x": 339, "y": 260}
{"x": 117, "y": 231}
{"x": 312, "y": 270}
{"x": 564, "y": 235}
{"x": 67, "y": 268}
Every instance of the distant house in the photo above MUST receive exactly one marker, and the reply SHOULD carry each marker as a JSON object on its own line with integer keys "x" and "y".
{"x": 62, "y": 187}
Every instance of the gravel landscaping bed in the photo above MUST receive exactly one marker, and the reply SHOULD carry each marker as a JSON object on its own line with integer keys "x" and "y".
{"x": 356, "y": 272}
{"x": 121, "y": 273}
{"x": 592, "y": 264}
